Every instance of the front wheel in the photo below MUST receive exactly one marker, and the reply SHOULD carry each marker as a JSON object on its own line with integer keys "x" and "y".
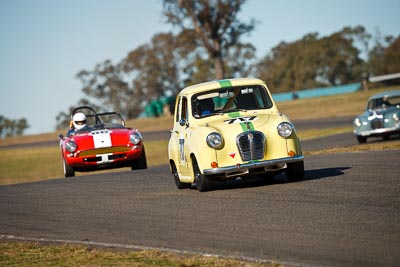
{"x": 68, "y": 170}
{"x": 141, "y": 162}
{"x": 361, "y": 139}
{"x": 295, "y": 171}
{"x": 178, "y": 182}
{"x": 203, "y": 182}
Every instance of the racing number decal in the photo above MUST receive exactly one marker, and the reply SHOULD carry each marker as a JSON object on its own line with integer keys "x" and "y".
{"x": 241, "y": 120}
{"x": 181, "y": 149}
{"x": 245, "y": 122}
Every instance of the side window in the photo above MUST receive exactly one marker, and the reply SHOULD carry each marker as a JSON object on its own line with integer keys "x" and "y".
{"x": 262, "y": 98}
{"x": 182, "y": 112}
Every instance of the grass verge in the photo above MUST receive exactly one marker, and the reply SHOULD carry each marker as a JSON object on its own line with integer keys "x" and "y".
{"x": 38, "y": 254}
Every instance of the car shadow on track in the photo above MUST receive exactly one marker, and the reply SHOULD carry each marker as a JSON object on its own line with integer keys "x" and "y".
{"x": 324, "y": 173}
{"x": 279, "y": 179}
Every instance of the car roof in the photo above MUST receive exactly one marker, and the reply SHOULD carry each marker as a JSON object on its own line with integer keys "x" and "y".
{"x": 217, "y": 84}
{"x": 385, "y": 94}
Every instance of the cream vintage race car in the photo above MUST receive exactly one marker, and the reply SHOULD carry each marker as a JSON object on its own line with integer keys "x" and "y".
{"x": 231, "y": 128}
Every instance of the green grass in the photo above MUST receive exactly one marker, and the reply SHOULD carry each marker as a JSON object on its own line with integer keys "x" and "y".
{"x": 316, "y": 133}
{"x": 351, "y": 104}
{"x": 35, "y": 254}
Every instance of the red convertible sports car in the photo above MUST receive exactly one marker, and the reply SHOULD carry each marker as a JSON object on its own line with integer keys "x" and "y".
{"x": 98, "y": 141}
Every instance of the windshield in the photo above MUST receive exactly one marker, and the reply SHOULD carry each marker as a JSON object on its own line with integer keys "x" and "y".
{"x": 111, "y": 120}
{"x": 230, "y": 99}
{"x": 101, "y": 121}
{"x": 385, "y": 102}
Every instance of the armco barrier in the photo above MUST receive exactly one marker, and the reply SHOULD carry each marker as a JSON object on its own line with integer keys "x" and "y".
{"x": 316, "y": 92}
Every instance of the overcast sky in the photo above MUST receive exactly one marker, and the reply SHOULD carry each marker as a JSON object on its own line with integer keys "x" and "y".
{"x": 45, "y": 43}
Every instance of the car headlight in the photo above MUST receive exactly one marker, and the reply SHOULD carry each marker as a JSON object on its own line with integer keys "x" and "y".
{"x": 135, "y": 138}
{"x": 357, "y": 122}
{"x": 395, "y": 117}
{"x": 285, "y": 129}
{"x": 214, "y": 140}
{"x": 71, "y": 146}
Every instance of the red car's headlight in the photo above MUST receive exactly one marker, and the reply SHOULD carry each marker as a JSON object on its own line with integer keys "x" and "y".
{"x": 135, "y": 138}
{"x": 71, "y": 146}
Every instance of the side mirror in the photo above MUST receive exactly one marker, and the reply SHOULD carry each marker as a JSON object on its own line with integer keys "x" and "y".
{"x": 61, "y": 136}
{"x": 183, "y": 122}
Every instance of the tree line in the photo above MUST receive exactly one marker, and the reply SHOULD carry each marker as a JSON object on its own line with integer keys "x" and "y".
{"x": 206, "y": 43}
{"x": 10, "y": 127}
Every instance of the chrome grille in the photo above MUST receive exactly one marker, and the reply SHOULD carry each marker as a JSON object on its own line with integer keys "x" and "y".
{"x": 377, "y": 123}
{"x": 251, "y": 145}
{"x": 103, "y": 150}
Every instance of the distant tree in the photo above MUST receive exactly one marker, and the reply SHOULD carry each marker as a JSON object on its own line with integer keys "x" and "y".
{"x": 106, "y": 87}
{"x": 215, "y": 23}
{"x": 156, "y": 69}
{"x": 147, "y": 73}
{"x": 313, "y": 62}
{"x": 21, "y": 125}
{"x": 2, "y": 118}
{"x": 10, "y": 127}
{"x": 385, "y": 58}
{"x": 63, "y": 119}
{"x": 170, "y": 62}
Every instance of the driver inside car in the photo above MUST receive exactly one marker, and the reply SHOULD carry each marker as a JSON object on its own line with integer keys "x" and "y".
{"x": 79, "y": 122}
{"x": 204, "y": 107}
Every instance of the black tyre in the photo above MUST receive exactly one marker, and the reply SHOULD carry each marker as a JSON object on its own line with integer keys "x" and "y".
{"x": 295, "y": 171}
{"x": 178, "y": 183}
{"x": 361, "y": 139}
{"x": 141, "y": 162}
{"x": 68, "y": 170}
{"x": 203, "y": 182}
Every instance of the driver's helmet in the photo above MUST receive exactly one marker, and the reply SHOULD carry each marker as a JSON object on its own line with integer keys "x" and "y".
{"x": 79, "y": 120}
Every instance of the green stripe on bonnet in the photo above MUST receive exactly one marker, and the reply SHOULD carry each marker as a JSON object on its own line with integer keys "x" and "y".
{"x": 225, "y": 83}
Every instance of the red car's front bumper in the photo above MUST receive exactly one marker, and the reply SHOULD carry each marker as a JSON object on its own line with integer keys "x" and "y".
{"x": 100, "y": 158}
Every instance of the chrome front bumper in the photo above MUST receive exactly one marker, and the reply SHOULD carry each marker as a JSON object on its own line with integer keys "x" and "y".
{"x": 239, "y": 169}
{"x": 377, "y": 131}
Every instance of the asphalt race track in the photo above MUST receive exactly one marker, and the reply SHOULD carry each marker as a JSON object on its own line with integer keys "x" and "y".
{"x": 345, "y": 213}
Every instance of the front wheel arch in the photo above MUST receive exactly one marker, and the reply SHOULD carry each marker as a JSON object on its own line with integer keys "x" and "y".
{"x": 174, "y": 171}
{"x": 203, "y": 182}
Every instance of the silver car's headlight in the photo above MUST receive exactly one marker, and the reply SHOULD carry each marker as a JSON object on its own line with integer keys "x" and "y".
{"x": 71, "y": 146}
{"x": 285, "y": 129}
{"x": 357, "y": 122}
{"x": 214, "y": 140}
{"x": 135, "y": 138}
